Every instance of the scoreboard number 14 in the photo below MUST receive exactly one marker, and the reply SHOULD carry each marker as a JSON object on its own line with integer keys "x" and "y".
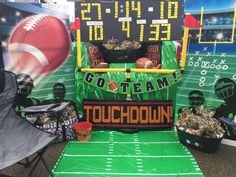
{"x": 157, "y": 29}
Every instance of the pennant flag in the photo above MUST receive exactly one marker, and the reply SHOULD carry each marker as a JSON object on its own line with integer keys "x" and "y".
{"x": 159, "y": 83}
{"x": 75, "y": 25}
{"x": 191, "y": 21}
{"x": 89, "y": 78}
{"x": 137, "y": 88}
{"x": 124, "y": 87}
{"x": 100, "y": 83}
{"x": 150, "y": 86}
{"x": 112, "y": 87}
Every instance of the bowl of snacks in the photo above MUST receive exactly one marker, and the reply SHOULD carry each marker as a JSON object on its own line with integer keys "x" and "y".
{"x": 199, "y": 130}
{"x": 126, "y": 51}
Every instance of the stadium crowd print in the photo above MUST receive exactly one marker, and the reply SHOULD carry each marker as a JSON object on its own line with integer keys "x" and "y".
{"x": 36, "y": 47}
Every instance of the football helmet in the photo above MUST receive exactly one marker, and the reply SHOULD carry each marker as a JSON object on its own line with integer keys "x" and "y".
{"x": 59, "y": 91}
{"x": 25, "y": 84}
{"x": 225, "y": 88}
{"x": 196, "y": 98}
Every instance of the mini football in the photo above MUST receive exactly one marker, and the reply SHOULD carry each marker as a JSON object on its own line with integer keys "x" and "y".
{"x": 144, "y": 63}
{"x": 113, "y": 86}
{"x": 39, "y": 44}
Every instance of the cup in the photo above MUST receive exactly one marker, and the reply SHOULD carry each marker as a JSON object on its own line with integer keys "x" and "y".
{"x": 83, "y": 131}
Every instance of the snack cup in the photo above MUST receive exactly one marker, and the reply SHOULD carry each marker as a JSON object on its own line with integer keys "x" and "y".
{"x": 83, "y": 131}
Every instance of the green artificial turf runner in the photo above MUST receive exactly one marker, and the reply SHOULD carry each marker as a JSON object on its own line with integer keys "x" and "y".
{"x": 114, "y": 154}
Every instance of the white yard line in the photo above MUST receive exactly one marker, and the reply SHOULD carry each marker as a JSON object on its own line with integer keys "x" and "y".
{"x": 116, "y": 142}
{"x": 205, "y": 55}
{"x": 127, "y": 174}
{"x": 164, "y": 131}
{"x": 128, "y": 156}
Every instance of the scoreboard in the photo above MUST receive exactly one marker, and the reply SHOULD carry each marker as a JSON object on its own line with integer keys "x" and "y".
{"x": 142, "y": 20}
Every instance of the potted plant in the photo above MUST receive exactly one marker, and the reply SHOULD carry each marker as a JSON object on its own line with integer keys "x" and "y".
{"x": 199, "y": 130}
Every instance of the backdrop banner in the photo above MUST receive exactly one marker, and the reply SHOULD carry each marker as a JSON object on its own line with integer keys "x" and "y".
{"x": 128, "y": 114}
{"x": 209, "y": 78}
{"x": 159, "y": 82}
{"x": 36, "y": 47}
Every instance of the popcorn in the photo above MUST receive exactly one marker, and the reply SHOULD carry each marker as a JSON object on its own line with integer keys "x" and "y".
{"x": 202, "y": 123}
{"x": 114, "y": 44}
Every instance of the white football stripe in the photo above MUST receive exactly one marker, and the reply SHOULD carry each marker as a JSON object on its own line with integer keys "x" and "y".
{"x": 22, "y": 47}
{"x": 146, "y": 64}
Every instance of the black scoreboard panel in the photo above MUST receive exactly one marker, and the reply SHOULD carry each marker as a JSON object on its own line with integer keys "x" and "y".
{"x": 142, "y": 20}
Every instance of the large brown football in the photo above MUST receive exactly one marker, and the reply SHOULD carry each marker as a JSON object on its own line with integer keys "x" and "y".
{"x": 144, "y": 63}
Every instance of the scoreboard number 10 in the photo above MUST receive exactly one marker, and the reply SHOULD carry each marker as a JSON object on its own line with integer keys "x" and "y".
{"x": 167, "y": 10}
{"x": 96, "y": 33}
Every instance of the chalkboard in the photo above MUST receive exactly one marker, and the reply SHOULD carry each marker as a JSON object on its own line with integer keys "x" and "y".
{"x": 149, "y": 20}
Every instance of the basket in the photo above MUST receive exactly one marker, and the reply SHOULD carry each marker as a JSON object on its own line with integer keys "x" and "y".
{"x": 229, "y": 127}
{"x": 204, "y": 144}
{"x": 122, "y": 56}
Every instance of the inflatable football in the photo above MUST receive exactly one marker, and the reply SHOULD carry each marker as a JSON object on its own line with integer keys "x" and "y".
{"x": 39, "y": 44}
{"x": 144, "y": 63}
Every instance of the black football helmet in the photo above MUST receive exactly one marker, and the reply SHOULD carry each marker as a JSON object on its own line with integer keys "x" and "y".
{"x": 25, "y": 84}
{"x": 225, "y": 88}
{"x": 59, "y": 91}
{"x": 196, "y": 98}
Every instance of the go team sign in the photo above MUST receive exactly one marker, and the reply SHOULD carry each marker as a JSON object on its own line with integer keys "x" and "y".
{"x": 143, "y": 20}
{"x": 128, "y": 114}
{"x": 136, "y": 87}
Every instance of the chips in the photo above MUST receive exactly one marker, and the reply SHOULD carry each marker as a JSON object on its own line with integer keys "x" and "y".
{"x": 114, "y": 44}
{"x": 202, "y": 123}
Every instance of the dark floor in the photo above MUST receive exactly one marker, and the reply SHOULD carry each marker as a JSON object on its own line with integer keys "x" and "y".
{"x": 220, "y": 164}
{"x": 51, "y": 155}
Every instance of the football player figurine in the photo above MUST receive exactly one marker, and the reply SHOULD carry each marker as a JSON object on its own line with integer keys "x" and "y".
{"x": 25, "y": 85}
{"x": 225, "y": 89}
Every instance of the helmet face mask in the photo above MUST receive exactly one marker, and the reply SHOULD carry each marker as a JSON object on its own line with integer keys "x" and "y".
{"x": 24, "y": 90}
{"x": 225, "y": 88}
{"x": 196, "y": 98}
{"x": 195, "y": 101}
{"x": 25, "y": 84}
{"x": 59, "y": 91}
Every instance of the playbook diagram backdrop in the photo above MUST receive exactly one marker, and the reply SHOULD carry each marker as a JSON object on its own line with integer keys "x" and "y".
{"x": 36, "y": 47}
{"x": 210, "y": 76}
